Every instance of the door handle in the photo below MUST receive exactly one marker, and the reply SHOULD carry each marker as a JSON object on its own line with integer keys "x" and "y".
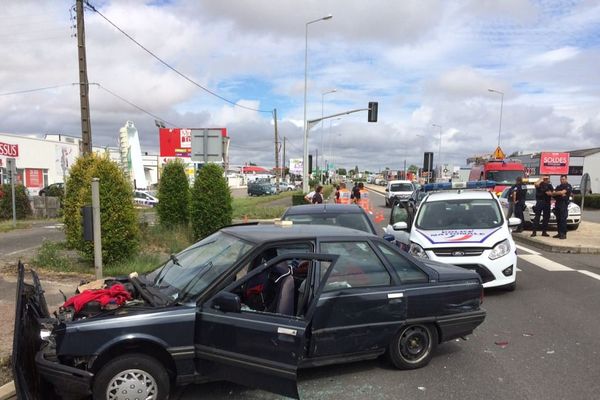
{"x": 395, "y": 295}
{"x": 287, "y": 331}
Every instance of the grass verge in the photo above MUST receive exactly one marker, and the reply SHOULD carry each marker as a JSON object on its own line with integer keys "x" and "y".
{"x": 259, "y": 207}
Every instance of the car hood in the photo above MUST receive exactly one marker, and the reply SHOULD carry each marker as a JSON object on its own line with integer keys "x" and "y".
{"x": 531, "y": 203}
{"x": 449, "y": 273}
{"x": 445, "y": 237}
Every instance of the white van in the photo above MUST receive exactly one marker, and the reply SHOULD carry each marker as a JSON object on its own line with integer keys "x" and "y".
{"x": 398, "y": 190}
{"x": 460, "y": 227}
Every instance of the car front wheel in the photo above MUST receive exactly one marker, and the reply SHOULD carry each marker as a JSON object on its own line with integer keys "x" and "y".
{"x": 132, "y": 376}
{"x": 413, "y": 346}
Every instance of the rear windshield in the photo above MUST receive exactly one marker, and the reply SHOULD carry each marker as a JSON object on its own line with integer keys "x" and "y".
{"x": 353, "y": 221}
{"x": 401, "y": 187}
{"x": 459, "y": 214}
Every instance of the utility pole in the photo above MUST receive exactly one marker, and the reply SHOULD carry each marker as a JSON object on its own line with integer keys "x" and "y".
{"x": 284, "y": 162}
{"x": 84, "y": 89}
{"x": 277, "y": 175}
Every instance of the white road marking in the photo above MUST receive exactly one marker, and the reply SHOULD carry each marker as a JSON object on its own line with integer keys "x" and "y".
{"x": 381, "y": 194}
{"x": 590, "y": 274}
{"x": 22, "y": 251}
{"x": 527, "y": 250}
{"x": 519, "y": 270}
{"x": 544, "y": 263}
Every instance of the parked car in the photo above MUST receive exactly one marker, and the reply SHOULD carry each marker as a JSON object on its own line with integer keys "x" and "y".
{"x": 144, "y": 198}
{"x": 250, "y": 305}
{"x": 261, "y": 188}
{"x": 573, "y": 216}
{"x": 465, "y": 228}
{"x": 286, "y": 186}
{"x": 346, "y": 215}
{"x": 54, "y": 189}
{"x": 398, "y": 190}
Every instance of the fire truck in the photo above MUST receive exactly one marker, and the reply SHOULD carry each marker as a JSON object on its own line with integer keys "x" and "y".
{"x": 504, "y": 171}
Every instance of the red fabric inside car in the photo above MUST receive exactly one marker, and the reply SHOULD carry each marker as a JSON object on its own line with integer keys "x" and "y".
{"x": 115, "y": 294}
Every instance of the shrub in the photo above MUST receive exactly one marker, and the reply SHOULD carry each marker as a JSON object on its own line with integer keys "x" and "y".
{"x": 22, "y": 205}
{"x": 173, "y": 195}
{"x": 49, "y": 256}
{"x": 120, "y": 232}
{"x": 591, "y": 200}
{"x": 298, "y": 199}
{"x": 211, "y": 205}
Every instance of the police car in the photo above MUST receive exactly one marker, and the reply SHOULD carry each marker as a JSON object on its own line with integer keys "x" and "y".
{"x": 144, "y": 199}
{"x": 466, "y": 228}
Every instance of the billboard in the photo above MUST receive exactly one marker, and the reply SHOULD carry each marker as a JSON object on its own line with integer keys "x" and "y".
{"x": 177, "y": 142}
{"x": 296, "y": 166}
{"x": 554, "y": 163}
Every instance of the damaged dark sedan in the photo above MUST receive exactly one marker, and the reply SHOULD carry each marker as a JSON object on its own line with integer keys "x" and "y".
{"x": 249, "y": 304}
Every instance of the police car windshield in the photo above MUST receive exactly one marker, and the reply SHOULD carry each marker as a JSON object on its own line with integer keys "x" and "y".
{"x": 503, "y": 177}
{"x": 401, "y": 187}
{"x": 459, "y": 214}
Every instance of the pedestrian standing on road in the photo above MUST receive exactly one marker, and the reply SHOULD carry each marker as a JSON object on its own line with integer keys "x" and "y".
{"x": 355, "y": 195}
{"x": 345, "y": 195}
{"x": 562, "y": 196}
{"x": 318, "y": 196}
{"x": 519, "y": 194}
{"x": 543, "y": 197}
{"x": 511, "y": 203}
{"x": 337, "y": 194}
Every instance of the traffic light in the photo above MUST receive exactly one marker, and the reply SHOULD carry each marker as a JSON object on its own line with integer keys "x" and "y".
{"x": 310, "y": 164}
{"x": 373, "y": 105}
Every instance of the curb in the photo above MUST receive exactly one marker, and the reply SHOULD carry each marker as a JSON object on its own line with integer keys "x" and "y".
{"x": 556, "y": 248}
{"x": 8, "y": 391}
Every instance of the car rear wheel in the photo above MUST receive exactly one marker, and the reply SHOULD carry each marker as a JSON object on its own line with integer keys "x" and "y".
{"x": 132, "y": 376}
{"x": 413, "y": 346}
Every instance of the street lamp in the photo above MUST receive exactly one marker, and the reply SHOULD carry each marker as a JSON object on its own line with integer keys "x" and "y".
{"x": 501, "y": 104}
{"x": 322, "y": 115}
{"x": 305, "y": 158}
{"x": 439, "y": 147}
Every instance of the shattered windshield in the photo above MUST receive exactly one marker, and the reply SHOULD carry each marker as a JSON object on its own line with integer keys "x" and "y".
{"x": 192, "y": 270}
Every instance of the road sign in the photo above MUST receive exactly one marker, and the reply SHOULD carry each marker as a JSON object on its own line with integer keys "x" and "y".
{"x": 499, "y": 154}
{"x": 207, "y": 145}
{"x": 585, "y": 184}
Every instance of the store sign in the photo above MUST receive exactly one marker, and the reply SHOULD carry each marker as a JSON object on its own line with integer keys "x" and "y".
{"x": 34, "y": 178}
{"x": 554, "y": 163}
{"x": 9, "y": 150}
{"x": 296, "y": 166}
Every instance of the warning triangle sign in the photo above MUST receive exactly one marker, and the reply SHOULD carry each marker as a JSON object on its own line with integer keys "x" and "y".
{"x": 499, "y": 154}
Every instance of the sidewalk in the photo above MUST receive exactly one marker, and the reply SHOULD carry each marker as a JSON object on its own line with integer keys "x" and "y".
{"x": 585, "y": 240}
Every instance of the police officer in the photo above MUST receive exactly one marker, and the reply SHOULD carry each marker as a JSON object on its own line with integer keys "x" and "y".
{"x": 543, "y": 196}
{"x": 519, "y": 193}
{"x": 562, "y": 195}
{"x": 511, "y": 204}
{"x": 344, "y": 194}
{"x": 355, "y": 195}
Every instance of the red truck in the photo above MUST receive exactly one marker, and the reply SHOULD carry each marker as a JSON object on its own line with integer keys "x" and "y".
{"x": 504, "y": 172}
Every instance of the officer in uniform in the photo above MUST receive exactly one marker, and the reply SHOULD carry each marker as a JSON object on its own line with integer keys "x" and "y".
{"x": 344, "y": 194}
{"x": 562, "y": 194}
{"x": 519, "y": 194}
{"x": 543, "y": 195}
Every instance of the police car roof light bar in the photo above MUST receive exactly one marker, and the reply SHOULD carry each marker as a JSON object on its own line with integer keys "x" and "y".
{"x": 458, "y": 185}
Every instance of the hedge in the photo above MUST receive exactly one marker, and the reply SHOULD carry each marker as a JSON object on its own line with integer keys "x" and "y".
{"x": 22, "y": 208}
{"x": 173, "y": 195}
{"x": 211, "y": 201}
{"x": 591, "y": 201}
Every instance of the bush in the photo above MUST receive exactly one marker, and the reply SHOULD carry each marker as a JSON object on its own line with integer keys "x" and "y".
{"x": 49, "y": 256}
{"x": 211, "y": 205}
{"x": 120, "y": 232}
{"x": 298, "y": 199}
{"x": 23, "y": 207}
{"x": 591, "y": 200}
{"x": 173, "y": 195}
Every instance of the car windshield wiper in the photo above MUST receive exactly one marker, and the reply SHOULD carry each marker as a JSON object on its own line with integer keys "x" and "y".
{"x": 163, "y": 273}
{"x": 182, "y": 294}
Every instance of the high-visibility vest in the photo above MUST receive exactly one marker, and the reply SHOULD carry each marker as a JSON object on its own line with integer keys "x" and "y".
{"x": 364, "y": 200}
{"x": 344, "y": 197}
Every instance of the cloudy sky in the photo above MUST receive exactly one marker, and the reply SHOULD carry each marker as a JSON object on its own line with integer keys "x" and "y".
{"x": 425, "y": 61}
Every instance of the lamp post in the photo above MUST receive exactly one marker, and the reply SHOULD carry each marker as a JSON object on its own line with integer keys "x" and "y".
{"x": 501, "y": 104}
{"x": 439, "y": 147}
{"x": 305, "y": 158}
{"x": 322, "y": 130}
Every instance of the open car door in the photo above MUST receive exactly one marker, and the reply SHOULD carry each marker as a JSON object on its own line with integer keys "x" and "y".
{"x": 400, "y": 223}
{"x": 255, "y": 348}
{"x": 30, "y": 309}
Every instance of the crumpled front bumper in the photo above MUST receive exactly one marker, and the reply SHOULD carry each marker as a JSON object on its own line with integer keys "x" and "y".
{"x": 64, "y": 378}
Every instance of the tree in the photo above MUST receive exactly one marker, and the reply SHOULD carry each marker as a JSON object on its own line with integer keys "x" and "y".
{"x": 118, "y": 220}
{"x": 413, "y": 168}
{"x": 341, "y": 171}
{"x": 211, "y": 202}
{"x": 173, "y": 195}
{"x": 22, "y": 205}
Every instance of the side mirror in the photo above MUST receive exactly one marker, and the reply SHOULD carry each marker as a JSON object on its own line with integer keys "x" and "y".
{"x": 387, "y": 190}
{"x": 402, "y": 226}
{"x": 227, "y": 302}
{"x": 389, "y": 238}
{"x": 514, "y": 222}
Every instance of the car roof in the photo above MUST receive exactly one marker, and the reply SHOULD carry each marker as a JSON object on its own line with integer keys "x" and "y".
{"x": 312, "y": 209}
{"x": 399, "y": 181}
{"x": 459, "y": 195}
{"x": 266, "y": 233}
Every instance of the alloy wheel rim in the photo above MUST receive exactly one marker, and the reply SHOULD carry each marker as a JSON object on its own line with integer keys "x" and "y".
{"x": 414, "y": 344}
{"x": 132, "y": 384}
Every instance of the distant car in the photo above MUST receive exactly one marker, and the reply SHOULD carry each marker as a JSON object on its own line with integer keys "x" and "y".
{"x": 415, "y": 199}
{"x": 573, "y": 217}
{"x": 55, "y": 189}
{"x": 400, "y": 190}
{"x": 250, "y": 305}
{"x": 144, "y": 198}
{"x": 286, "y": 186}
{"x": 261, "y": 188}
{"x": 346, "y": 215}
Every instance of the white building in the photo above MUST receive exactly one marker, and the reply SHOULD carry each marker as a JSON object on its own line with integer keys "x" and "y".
{"x": 41, "y": 162}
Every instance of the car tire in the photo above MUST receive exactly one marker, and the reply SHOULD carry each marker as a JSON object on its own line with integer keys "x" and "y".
{"x": 573, "y": 227}
{"x": 137, "y": 372}
{"x": 413, "y": 346}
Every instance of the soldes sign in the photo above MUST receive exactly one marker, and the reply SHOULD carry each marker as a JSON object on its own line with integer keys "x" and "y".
{"x": 9, "y": 150}
{"x": 554, "y": 163}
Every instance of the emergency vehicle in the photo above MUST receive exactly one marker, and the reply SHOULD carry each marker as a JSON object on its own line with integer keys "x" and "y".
{"x": 504, "y": 171}
{"x": 458, "y": 226}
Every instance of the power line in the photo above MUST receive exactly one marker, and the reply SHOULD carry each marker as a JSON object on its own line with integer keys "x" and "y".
{"x": 173, "y": 68}
{"x": 37, "y": 89}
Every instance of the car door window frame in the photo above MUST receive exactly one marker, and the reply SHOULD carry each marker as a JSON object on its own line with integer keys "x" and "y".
{"x": 397, "y": 277}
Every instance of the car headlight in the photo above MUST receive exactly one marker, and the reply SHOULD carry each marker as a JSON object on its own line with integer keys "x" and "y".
{"x": 417, "y": 251}
{"x": 574, "y": 208}
{"x": 499, "y": 250}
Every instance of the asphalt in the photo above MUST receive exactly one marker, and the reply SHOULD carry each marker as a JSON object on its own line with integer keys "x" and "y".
{"x": 20, "y": 243}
